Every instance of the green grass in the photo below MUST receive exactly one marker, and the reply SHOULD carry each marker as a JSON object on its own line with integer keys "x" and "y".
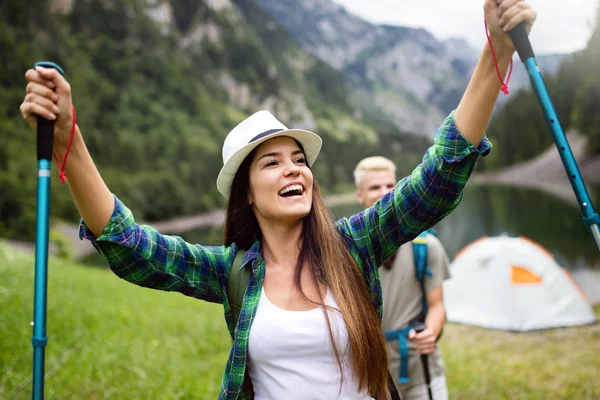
{"x": 551, "y": 364}
{"x": 109, "y": 339}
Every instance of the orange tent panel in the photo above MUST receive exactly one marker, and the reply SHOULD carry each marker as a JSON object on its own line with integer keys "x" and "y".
{"x": 520, "y": 275}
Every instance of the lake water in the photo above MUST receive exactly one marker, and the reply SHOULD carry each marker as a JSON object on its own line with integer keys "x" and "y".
{"x": 494, "y": 210}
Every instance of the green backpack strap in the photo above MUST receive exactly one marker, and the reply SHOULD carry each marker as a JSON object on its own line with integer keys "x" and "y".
{"x": 236, "y": 287}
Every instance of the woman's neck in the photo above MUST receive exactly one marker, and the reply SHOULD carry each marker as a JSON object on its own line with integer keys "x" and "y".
{"x": 281, "y": 243}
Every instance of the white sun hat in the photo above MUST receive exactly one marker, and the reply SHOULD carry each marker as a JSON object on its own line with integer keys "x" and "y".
{"x": 251, "y": 132}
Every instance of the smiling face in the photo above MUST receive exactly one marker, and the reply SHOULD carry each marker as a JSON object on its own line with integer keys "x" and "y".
{"x": 281, "y": 184}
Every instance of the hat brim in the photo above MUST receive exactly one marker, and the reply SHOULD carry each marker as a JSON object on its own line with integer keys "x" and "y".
{"x": 310, "y": 141}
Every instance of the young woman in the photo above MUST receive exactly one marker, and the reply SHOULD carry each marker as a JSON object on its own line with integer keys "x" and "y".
{"x": 310, "y": 320}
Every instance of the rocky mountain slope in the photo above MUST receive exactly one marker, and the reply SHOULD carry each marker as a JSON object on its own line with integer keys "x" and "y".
{"x": 401, "y": 74}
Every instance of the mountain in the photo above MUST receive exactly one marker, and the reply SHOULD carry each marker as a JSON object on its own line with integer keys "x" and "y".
{"x": 157, "y": 85}
{"x": 396, "y": 73}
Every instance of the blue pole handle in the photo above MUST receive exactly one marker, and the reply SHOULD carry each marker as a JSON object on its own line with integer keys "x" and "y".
{"x": 45, "y": 127}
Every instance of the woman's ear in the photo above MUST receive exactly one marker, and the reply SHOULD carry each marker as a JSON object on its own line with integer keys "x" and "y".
{"x": 250, "y": 198}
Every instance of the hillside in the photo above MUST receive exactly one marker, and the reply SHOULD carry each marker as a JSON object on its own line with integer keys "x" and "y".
{"x": 394, "y": 73}
{"x": 399, "y": 73}
{"x": 157, "y": 86}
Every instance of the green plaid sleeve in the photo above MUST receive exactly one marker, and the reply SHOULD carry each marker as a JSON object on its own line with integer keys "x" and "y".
{"x": 420, "y": 200}
{"x": 143, "y": 256}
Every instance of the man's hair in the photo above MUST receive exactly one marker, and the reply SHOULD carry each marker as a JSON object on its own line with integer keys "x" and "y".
{"x": 376, "y": 163}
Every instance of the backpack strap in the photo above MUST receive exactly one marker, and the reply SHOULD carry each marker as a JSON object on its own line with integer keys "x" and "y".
{"x": 420, "y": 260}
{"x": 401, "y": 335}
{"x": 236, "y": 287}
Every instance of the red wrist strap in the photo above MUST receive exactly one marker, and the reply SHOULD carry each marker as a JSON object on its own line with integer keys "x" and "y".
{"x": 504, "y": 84}
{"x": 61, "y": 167}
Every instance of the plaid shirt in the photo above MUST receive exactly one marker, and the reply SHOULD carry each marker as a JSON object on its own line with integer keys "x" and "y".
{"x": 141, "y": 255}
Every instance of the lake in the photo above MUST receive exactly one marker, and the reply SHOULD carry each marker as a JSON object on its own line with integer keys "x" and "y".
{"x": 494, "y": 210}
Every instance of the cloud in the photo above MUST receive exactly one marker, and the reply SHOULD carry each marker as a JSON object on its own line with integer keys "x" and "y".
{"x": 562, "y": 26}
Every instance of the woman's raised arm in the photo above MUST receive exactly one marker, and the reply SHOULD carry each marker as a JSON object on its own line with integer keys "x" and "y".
{"x": 49, "y": 95}
{"x": 475, "y": 108}
{"x": 138, "y": 254}
{"x": 436, "y": 185}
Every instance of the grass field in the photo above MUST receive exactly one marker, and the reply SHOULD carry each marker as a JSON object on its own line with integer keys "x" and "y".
{"x": 109, "y": 339}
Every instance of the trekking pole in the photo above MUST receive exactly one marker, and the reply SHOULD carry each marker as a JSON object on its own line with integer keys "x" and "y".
{"x": 45, "y": 138}
{"x": 420, "y": 327}
{"x": 523, "y": 46}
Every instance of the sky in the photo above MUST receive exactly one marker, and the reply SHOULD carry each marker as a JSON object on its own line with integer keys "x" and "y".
{"x": 562, "y": 26}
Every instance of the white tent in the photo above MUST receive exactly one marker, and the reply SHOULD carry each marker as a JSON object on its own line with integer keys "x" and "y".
{"x": 513, "y": 283}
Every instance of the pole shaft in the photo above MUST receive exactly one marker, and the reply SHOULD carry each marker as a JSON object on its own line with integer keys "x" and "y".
{"x": 41, "y": 274}
{"x": 583, "y": 198}
{"x": 595, "y": 232}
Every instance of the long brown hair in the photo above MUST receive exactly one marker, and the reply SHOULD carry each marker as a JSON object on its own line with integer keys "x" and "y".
{"x": 324, "y": 252}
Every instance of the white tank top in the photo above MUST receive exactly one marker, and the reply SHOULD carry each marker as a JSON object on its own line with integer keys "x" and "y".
{"x": 290, "y": 355}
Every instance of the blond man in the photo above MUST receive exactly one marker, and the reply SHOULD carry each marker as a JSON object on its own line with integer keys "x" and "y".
{"x": 408, "y": 300}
